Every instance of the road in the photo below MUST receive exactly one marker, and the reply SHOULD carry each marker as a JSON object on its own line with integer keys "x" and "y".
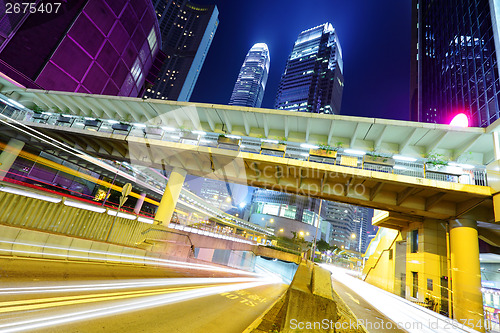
{"x": 408, "y": 317}
{"x": 137, "y": 305}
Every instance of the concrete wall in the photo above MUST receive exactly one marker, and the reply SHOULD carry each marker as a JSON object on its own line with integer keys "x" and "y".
{"x": 379, "y": 270}
{"x": 430, "y": 261}
{"x": 394, "y": 272}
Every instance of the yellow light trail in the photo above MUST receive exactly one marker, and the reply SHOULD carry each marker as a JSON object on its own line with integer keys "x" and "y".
{"x": 43, "y": 303}
{"x": 131, "y": 305}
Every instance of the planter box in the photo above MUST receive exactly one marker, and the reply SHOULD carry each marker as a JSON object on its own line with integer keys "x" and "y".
{"x": 189, "y": 136}
{"x": 153, "y": 131}
{"x": 228, "y": 141}
{"x": 40, "y": 116}
{"x": 63, "y": 119}
{"x": 446, "y": 169}
{"x": 92, "y": 123}
{"x": 273, "y": 146}
{"x": 121, "y": 127}
{"x": 323, "y": 153}
{"x": 378, "y": 160}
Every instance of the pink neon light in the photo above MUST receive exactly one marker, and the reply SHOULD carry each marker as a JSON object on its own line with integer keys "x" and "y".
{"x": 460, "y": 120}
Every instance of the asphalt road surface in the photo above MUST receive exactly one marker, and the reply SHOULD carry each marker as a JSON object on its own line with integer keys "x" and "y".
{"x": 137, "y": 305}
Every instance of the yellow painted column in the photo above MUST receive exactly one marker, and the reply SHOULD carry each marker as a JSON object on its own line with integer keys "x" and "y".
{"x": 170, "y": 196}
{"x": 466, "y": 274}
{"x": 9, "y": 155}
{"x": 496, "y": 206}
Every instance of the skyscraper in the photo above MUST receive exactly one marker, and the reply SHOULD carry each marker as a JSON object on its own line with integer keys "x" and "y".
{"x": 313, "y": 80}
{"x": 251, "y": 83}
{"x": 455, "y": 61}
{"x": 88, "y": 46}
{"x": 187, "y": 31}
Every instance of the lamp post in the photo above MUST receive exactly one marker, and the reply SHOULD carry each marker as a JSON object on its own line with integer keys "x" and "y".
{"x": 316, "y": 234}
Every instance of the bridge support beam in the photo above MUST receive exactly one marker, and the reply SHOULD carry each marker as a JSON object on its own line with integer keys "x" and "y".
{"x": 466, "y": 274}
{"x": 170, "y": 196}
{"x": 139, "y": 203}
{"x": 9, "y": 155}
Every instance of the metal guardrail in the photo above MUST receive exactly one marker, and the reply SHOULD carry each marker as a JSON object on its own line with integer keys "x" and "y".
{"x": 473, "y": 176}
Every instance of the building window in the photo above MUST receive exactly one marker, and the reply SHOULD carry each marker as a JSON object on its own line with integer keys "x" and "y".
{"x": 414, "y": 241}
{"x": 414, "y": 291}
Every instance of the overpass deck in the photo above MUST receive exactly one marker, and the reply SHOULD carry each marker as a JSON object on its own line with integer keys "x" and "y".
{"x": 345, "y": 177}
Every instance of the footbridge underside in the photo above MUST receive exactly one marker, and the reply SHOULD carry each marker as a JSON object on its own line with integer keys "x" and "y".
{"x": 406, "y": 198}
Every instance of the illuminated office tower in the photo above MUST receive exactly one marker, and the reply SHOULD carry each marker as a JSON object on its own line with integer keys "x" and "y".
{"x": 251, "y": 83}
{"x": 187, "y": 31}
{"x": 313, "y": 80}
{"x": 455, "y": 61}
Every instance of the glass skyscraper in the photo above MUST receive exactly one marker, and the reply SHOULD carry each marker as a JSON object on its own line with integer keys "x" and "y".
{"x": 251, "y": 83}
{"x": 313, "y": 80}
{"x": 187, "y": 31}
{"x": 455, "y": 61}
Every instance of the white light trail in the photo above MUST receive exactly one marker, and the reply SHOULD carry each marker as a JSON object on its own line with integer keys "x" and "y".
{"x": 122, "y": 285}
{"x": 122, "y": 258}
{"x": 125, "y": 306}
{"x": 398, "y": 309}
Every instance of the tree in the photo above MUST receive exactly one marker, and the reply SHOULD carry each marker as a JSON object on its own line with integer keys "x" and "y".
{"x": 322, "y": 246}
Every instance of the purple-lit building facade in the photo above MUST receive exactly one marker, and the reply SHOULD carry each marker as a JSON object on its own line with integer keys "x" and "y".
{"x": 90, "y": 46}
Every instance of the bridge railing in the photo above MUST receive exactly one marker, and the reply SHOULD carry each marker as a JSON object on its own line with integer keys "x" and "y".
{"x": 38, "y": 211}
{"x": 420, "y": 168}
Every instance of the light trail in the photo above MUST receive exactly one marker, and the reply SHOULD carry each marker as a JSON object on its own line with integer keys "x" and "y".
{"x": 122, "y": 285}
{"x": 413, "y": 318}
{"x": 125, "y": 306}
{"x": 132, "y": 259}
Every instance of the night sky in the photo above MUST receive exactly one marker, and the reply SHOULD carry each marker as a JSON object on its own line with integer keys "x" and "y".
{"x": 374, "y": 35}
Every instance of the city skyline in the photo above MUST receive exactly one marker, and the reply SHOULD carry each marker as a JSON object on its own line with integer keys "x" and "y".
{"x": 376, "y": 68}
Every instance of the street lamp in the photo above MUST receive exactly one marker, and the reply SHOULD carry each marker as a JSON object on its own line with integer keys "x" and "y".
{"x": 353, "y": 236}
{"x": 301, "y": 234}
{"x": 281, "y": 230}
{"x": 307, "y": 233}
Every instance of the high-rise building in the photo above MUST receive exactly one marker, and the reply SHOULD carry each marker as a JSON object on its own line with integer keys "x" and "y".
{"x": 251, "y": 83}
{"x": 341, "y": 216}
{"x": 187, "y": 31}
{"x": 291, "y": 206}
{"x": 455, "y": 67}
{"x": 313, "y": 80}
{"x": 362, "y": 227}
{"x": 216, "y": 192}
{"x": 87, "y": 46}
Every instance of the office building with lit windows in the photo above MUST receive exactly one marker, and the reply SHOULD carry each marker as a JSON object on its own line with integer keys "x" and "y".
{"x": 313, "y": 80}
{"x": 454, "y": 61}
{"x": 88, "y": 46}
{"x": 187, "y": 31}
{"x": 251, "y": 83}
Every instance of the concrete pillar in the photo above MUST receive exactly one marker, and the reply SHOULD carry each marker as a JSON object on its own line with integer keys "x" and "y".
{"x": 466, "y": 274}
{"x": 139, "y": 203}
{"x": 496, "y": 146}
{"x": 9, "y": 155}
{"x": 170, "y": 196}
